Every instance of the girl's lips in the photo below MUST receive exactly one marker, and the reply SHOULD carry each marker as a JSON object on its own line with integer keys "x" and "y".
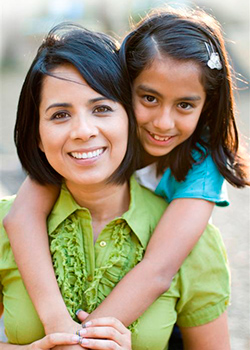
{"x": 159, "y": 140}
{"x": 158, "y": 137}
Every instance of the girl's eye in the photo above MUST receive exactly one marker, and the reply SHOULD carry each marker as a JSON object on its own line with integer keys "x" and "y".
{"x": 149, "y": 98}
{"x": 60, "y": 115}
{"x": 102, "y": 109}
{"x": 185, "y": 105}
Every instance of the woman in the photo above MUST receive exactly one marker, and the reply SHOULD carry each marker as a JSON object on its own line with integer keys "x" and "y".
{"x": 81, "y": 138}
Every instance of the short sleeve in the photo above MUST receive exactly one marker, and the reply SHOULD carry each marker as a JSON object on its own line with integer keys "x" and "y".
{"x": 6, "y": 258}
{"x": 1, "y": 291}
{"x": 205, "y": 281}
{"x": 203, "y": 181}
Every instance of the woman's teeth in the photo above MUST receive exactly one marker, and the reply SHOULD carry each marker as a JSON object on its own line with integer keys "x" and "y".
{"x": 87, "y": 155}
{"x": 158, "y": 138}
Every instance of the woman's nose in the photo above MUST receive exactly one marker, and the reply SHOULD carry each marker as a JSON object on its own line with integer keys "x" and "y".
{"x": 164, "y": 121}
{"x": 83, "y": 127}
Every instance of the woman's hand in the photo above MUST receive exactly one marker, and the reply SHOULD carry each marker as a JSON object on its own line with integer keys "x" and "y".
{"x": 54, "y": 339}
{"x": 105, "y": 333}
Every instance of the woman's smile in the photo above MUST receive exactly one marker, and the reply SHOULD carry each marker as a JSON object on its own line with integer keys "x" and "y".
{"x": 80, "y": 132}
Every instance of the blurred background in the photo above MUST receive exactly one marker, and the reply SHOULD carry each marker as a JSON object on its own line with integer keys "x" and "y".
{"x": 23, "y": 24}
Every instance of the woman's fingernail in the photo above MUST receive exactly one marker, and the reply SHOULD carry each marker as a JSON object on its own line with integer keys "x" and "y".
{"x": 87, "y": 324}
{"x": 75, "y": 338}
{"x": 77, "y": 311}
{"x": 82, "y": 331}
{"x": 84, "y": 341}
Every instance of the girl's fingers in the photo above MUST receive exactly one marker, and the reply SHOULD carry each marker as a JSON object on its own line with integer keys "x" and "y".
{"x": 105, "y": 344}
{"x": 102, "y": 332}
{"x": 82, "y": 315}
{"x": 51, "y": 340}
{"x": 107, "y": 321}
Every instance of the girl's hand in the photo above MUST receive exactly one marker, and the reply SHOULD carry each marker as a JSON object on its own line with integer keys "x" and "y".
{"x": 54, "y": 339}
{"x": 105, "y": 333}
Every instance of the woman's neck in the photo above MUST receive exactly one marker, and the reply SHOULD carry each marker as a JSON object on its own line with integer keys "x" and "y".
{"x": 105, "y": 202}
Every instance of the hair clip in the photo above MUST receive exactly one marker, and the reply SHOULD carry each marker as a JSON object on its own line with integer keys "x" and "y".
{"x": 214, "y": 59}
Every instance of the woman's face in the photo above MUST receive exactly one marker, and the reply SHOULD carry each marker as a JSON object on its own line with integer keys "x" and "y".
{"x": 168, "y": 98}
{"x": 82, "y": 133}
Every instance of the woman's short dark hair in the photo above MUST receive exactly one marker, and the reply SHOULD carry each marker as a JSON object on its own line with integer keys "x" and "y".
{"x": 192, "y": 35}
{"x": 95, "y": 56}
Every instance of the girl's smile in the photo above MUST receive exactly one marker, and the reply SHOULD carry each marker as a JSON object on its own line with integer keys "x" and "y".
{"x": 168, "y": 100}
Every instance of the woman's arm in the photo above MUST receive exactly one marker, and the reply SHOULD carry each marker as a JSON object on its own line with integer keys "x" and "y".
{"x": 27, "y": 231}
{"x": 174, "y": 237}
{"x": 46, "y": 343}
{"x": 211, "y": 336}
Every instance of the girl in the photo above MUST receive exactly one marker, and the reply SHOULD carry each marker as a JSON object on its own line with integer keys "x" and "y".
{"x": 183, "y": 102}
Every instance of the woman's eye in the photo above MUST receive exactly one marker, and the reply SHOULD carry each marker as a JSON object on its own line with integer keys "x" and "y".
{"x": 185, "y": 105}
{"x": 102, "y": 109}
{"x": 149, "y": 98}
{"x": 60, "y": 116}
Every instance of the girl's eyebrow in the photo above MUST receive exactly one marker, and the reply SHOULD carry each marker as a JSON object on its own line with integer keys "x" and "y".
{"x": 155, "y": 92}
{"x": 145, "y": 88}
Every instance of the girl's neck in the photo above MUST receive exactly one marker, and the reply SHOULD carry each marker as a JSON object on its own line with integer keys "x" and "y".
{"x": 147, "y": 159}
{"x": 105, "y": 202}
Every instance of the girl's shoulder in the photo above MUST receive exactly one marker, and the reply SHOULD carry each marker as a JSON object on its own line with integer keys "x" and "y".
{"x": 203, "y": 181}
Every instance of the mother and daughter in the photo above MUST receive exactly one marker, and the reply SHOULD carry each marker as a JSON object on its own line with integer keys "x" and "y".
{"x": 76, "y": 137}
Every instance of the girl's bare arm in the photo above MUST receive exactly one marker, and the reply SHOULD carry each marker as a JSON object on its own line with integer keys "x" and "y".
{"x": 27, "y": 231}
{"x": 174, "y": 237}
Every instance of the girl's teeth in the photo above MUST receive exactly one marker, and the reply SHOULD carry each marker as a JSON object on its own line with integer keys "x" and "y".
{"x": 87, "y": 155}
{"x": 158, "y": 138}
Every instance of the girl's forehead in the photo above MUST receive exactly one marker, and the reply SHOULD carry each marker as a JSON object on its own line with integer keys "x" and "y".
{"x": 169, "y": 76}
{"x": 170, "y": 66}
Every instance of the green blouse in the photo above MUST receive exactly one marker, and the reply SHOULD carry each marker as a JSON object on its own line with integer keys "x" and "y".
{"x": 87, "y": 272}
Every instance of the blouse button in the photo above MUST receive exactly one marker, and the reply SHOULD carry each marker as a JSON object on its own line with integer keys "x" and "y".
{"x": 90, "y": 278}
{"x": 103, "y": 244}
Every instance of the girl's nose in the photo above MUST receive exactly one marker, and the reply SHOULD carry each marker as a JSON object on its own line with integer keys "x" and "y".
{"x": 164, "y": 121}
{"x": 83, "y": 128}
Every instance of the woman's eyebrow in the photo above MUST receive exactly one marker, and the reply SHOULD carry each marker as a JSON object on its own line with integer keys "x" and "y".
{"x": 101, "y": 98}
{"x": 69, "y": 105}
{"x": 60, "y": 104}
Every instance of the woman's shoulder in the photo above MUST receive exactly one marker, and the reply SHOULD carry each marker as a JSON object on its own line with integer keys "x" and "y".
{"x": 5, "y": 205}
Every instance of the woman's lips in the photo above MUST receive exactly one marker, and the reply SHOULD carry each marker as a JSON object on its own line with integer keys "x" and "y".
{"x": 87, "y": 155}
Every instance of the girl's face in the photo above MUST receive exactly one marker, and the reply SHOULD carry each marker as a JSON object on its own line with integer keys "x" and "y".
{"x": 168, "y": 98}
{"x": 82, "y": 133}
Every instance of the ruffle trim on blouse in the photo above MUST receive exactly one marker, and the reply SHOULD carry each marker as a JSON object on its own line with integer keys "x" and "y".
{"x": 69, "y": 265}
{"x": 68, "y": 256}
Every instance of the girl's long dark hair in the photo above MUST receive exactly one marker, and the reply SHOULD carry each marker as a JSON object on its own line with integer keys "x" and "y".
{"x": 182, "y": 34}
